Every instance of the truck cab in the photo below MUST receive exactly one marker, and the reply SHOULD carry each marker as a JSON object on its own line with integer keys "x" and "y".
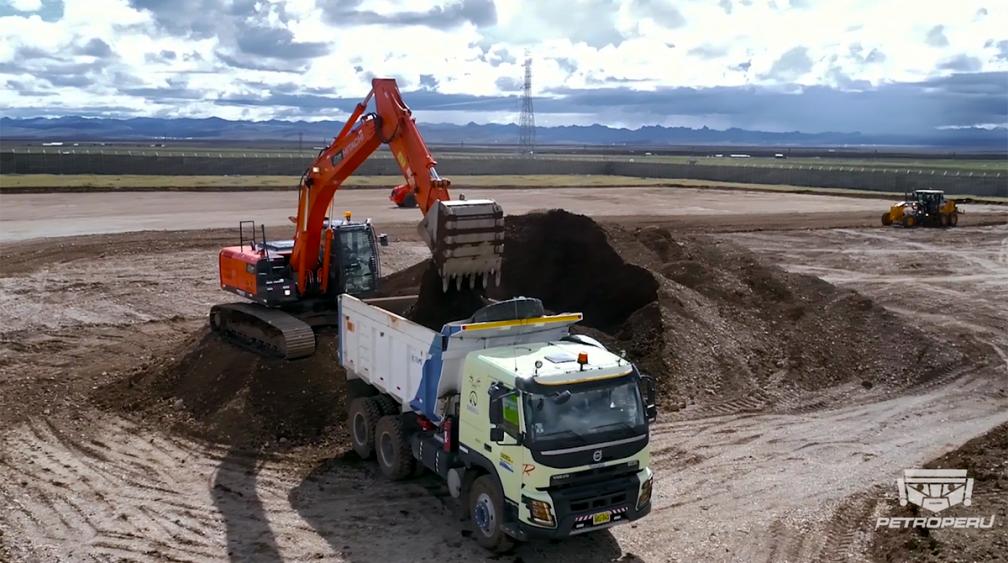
{"x": 541, "y": 433}
{"x": 564, "y": 426}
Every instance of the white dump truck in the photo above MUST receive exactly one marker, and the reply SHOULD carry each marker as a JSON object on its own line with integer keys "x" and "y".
{"x": 540, "y": 432}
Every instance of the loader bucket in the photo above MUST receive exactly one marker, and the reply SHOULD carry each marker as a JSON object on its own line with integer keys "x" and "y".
{"x": 466, "y": 238}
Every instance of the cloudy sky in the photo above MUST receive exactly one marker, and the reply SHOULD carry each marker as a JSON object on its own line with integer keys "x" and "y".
{"x": 810, "y": 65}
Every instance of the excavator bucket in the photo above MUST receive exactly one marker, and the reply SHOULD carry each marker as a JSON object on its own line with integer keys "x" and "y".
{"x": 466, "y": 238}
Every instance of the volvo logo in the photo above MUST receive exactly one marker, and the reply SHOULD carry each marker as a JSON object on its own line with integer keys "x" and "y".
{"x": 597, "y": 456}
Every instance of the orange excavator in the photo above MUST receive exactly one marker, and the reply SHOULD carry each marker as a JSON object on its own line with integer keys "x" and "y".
{"x": 293, "y": 284}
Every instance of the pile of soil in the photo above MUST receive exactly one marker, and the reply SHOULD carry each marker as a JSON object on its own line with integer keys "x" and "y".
{"x": 436, "y": 306}
{"x": 708, "y": 319}
{"x": 220, "y": 392}
{"x": 983, "y": 459}
{"x": 727, "y": 324}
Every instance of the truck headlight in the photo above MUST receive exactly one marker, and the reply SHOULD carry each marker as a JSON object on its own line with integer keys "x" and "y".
{"x": 541, "y": 512}
{"x": 645, "y": 493}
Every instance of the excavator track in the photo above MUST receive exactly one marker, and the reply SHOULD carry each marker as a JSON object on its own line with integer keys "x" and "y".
{"x": 268, "y": 331}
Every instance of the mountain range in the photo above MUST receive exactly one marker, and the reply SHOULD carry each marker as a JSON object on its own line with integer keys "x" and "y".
{"x": 73, "y": 128}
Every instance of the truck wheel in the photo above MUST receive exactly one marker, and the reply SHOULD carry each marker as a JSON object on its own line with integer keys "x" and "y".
{"x": 395, "y": 458}
{"x": 908, "y": 221}
{"x": 387, "y": 405}
{"x": 953, "y": 219}
{"x": 944, "y": 219}
{"x": 886, "y": 219}
{"x": 486, "y": 509}
{"x": 408, "y": 201}
{"x": 362, "y": 419}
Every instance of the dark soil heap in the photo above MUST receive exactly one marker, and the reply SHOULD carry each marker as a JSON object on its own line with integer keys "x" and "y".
{"x": 726, "y": 323}
{"x": 983, "y": 459}
{"x": 224, "y": 393}
{"x": 708, "y": 319}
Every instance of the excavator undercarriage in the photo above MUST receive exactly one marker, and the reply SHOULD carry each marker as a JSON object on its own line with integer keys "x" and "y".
{"x": 272, "y": 332}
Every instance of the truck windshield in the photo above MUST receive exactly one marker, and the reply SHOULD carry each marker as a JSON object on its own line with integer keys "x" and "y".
{"x": 588, "y": 416}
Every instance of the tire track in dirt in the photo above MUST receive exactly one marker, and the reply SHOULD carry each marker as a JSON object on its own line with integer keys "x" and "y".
{"x": 846, "y": 533}
{"x": 111, "y": 489}
{"x": 80, "y": 496}
{"x": 770, "y": 483}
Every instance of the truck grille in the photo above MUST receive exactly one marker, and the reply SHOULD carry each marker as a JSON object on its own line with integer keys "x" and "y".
{"x": 601, "y": 501}
{"x": 558, "y": 482}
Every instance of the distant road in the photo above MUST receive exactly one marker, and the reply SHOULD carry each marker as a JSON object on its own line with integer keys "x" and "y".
{"x": 25, "y": 216}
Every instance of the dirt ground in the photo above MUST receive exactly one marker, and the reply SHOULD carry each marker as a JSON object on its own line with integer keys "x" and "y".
{"x": 24, "y": 216}
{"x": 735, "y": 481}
{"x": 986, "y": 461}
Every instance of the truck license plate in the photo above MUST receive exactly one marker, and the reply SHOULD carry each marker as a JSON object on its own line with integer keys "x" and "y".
{"x": 601, "y": 518}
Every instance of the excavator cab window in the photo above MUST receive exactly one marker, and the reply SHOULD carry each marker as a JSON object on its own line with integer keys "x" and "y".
{"x": 357, "y": 265}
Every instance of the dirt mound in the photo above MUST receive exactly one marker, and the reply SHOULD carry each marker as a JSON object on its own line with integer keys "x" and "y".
{"x": 561, "y": 258}
{"x": 435, "y": 306}
{"x": 567, "y": 261}
{"x": 983, "y": 459}
{"x": 710, "y": 320}
{"x": 231, "y": 395}
{"x": 734, "y": 324}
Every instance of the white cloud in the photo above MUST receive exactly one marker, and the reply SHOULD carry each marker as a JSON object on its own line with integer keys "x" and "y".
{"x": 585, "y": 44}
{"x": 26, "y": 5}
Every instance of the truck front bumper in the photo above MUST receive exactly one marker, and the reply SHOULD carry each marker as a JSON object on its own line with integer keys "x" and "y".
{"x": 573, "y": 524}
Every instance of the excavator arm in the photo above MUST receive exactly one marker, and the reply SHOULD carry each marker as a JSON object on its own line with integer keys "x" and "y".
{"x": 465, "y": 237}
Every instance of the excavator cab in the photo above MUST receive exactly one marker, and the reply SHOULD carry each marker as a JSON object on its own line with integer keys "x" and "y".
{"x": 354, "y": 264}
{"x": 261, "y": 271}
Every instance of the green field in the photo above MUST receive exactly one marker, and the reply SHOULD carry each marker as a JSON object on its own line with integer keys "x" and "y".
{"x": 951, "y": 165}
{"x": 47, "y": 183}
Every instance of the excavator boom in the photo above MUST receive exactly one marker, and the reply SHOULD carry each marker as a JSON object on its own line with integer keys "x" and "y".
{"x": 465, "y": 237}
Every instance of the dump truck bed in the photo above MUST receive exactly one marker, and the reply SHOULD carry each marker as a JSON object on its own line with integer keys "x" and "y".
{"x": 382, "y": 348}
{"x": 417, "y": 366}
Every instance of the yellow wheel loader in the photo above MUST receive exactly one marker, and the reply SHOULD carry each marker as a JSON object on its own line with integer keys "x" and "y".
{"x": 927, "y": 208}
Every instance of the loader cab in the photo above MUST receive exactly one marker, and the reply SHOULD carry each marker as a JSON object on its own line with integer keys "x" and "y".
{"x": 929, "y": 201}
{"x": 354, "y": 265}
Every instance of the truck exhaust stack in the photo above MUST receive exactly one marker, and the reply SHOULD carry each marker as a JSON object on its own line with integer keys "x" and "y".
{"x": 466, "y": 238}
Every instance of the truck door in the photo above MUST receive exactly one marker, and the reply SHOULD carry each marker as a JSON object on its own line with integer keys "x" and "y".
{"x": 507, "y": 453}
{"x": 503, "y": 455}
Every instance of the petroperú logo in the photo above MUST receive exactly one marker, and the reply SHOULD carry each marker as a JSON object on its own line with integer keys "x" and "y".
{"x": 935, "y": 490}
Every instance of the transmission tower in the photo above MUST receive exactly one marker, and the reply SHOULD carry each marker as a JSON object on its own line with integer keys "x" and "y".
{"x": 526, "y": 122}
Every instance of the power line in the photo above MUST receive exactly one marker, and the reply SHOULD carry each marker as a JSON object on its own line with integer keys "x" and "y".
{"x": 526, "y": 121}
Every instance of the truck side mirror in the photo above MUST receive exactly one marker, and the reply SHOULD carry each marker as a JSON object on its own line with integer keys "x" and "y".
{"x": 649, "y": 395}
{"x": 497, "y": 394}
{"x": 496, "y": 410}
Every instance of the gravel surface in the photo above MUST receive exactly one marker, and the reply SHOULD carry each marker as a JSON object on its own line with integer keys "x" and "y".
{"x": 83, "y": 473}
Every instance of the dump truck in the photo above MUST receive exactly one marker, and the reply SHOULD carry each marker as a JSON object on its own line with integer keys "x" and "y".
{"x": 540, "y": 432}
